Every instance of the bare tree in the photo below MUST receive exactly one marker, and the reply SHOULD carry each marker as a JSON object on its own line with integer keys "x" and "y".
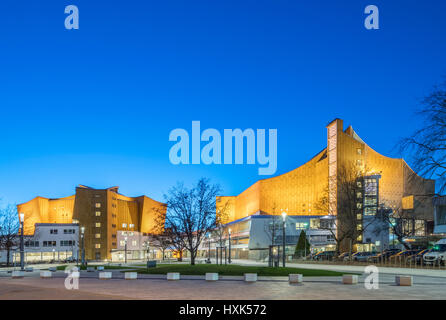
{"x": 427, "y": 145}
{"x": 403, "y": 223}
{"x": 9, "y": 227}
{"x": 342, "y": 222}
{"x": 162, "y": 241}
{"x": 191, "y": 213}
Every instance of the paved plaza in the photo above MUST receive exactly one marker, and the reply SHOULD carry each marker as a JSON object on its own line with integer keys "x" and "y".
{"x": 195, "y": 288}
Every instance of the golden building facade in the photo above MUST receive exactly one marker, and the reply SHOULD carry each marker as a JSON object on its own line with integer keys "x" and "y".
{"x": 301, "y": 189}
{"x": 102, "y": 212}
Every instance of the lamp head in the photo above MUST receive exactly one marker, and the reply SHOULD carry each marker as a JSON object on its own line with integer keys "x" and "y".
{"x": 82, "y": 230}
{"x": 22, "y": 216}
{"x": 229, "y": 230}
{"x": 284, "y": 215}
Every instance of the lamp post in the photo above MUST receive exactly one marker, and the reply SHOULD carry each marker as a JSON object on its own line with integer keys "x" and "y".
{"x": 229, "y": 233}
{"x": 209, "y": 248}
{"x": 125, "y": 250}
{"x": 22, "y": 247}
{"x": 284, "y": 214}
{"x": 83, "y": 245}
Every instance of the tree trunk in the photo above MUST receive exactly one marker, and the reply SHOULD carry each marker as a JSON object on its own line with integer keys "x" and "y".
{"x": 7, "y": 256}
{"x": 192, "y": 258}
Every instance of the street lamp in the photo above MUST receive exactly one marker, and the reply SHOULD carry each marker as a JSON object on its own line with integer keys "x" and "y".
{"x": 284, "y": 214}
{"x": 209, "y": 248}
{"x": 125, "y": 250}
{"x": 229, "y": 233}
{"x": 22, "y": 247}
{"x": 83, "y": 245}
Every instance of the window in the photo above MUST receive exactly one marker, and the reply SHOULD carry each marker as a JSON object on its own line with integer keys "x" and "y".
{"x": 114, "y": 236}
{"x": 97, "y": 235}
{"x": 358, "y": 195}
{"x": 49, "y": 243}
{"x": 359, "y": 162}
{"x": 359, "y": 216}
{"x": 67, "y": 243}
{"x": 124, "y": 225}
{"x": 53, "y": 231}
{"x": 98, "y": 224}
{"x": 359, "y": 205}
{"x": 358, "y": 226}
{"x": 122, "y": 243}
{"x": 97, "y": 195}
{"x": 98, "y": 213}
{"x": 113, "y": 225}
{"x": 31, "y": 243}
{"x": 69, "y": 231}
{"x": 98, "y": 205}
{"x": 97, "y": 246}
{"x": 134, "y": 243}
{"x": 359, "y": 151}
{"x": 131, "y": 226}
{"x": 301, "y": 225}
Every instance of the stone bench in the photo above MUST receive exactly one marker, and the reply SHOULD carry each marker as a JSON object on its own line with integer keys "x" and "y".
{"x": 350, "y": 279}
{"x": 250, "y": 277}
{"x": 403, "y": 280}
{"x": 295, "y": 278}
{"x": 173, "y": 276}
{"x": 17, "y": 274}
{"x": 105, "y": 275}
{"x": 211, "y": 276}
{"x": 46, "y": 274}
{"x": 90, "y": 269}
{"x": 131, "y": 275}
{"x": 29, "y": 269}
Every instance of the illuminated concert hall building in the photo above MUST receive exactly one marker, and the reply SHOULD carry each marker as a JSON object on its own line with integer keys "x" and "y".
{"x": 105, "y": 215}
{"x": 386, "y": 182}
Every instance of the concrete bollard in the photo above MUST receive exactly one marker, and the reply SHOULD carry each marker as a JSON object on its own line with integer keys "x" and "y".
{"x": 46, "y": 274}
{"x": 211, "y": 276}
{"x": 403, "y": 280}
{"x": 131, "y": 275}
{"x": 173, "y": 276}
{"x": 350, "y": 279}
{"x": 17, "y": 274}
{"x": 105, "y": 275}
{"x": 295, "y": 278}
{"x": 250, "y": 277}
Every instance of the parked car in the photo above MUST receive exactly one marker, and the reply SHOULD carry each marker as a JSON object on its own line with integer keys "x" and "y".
{"x": 324, "y": 255}
{"x": 437, "y": 255}
{"x": 402, "y": 255}
{"x": 343, "y": 256}
{"x": 383, "y": 256}
{"x": 362, "y": 256}
{"x": 417, "y": 258}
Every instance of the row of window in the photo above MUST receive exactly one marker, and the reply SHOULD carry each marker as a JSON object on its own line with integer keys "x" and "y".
{"x": 65, "y": 231}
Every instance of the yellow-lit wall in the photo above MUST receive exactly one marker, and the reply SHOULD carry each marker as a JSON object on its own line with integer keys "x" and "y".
{"x": 116, "y": 209}
{"x": 43, "y": 210}
{"x": 300, "y": 189}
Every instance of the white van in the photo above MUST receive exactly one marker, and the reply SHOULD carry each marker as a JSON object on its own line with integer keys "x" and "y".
{"x": 437, "y": 254}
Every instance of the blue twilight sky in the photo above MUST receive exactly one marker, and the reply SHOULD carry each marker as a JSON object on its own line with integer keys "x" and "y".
{"x": 95, "y": 106}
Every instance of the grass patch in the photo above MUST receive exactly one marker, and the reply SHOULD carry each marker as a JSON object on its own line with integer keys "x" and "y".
{"x": 236, "y": 270}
